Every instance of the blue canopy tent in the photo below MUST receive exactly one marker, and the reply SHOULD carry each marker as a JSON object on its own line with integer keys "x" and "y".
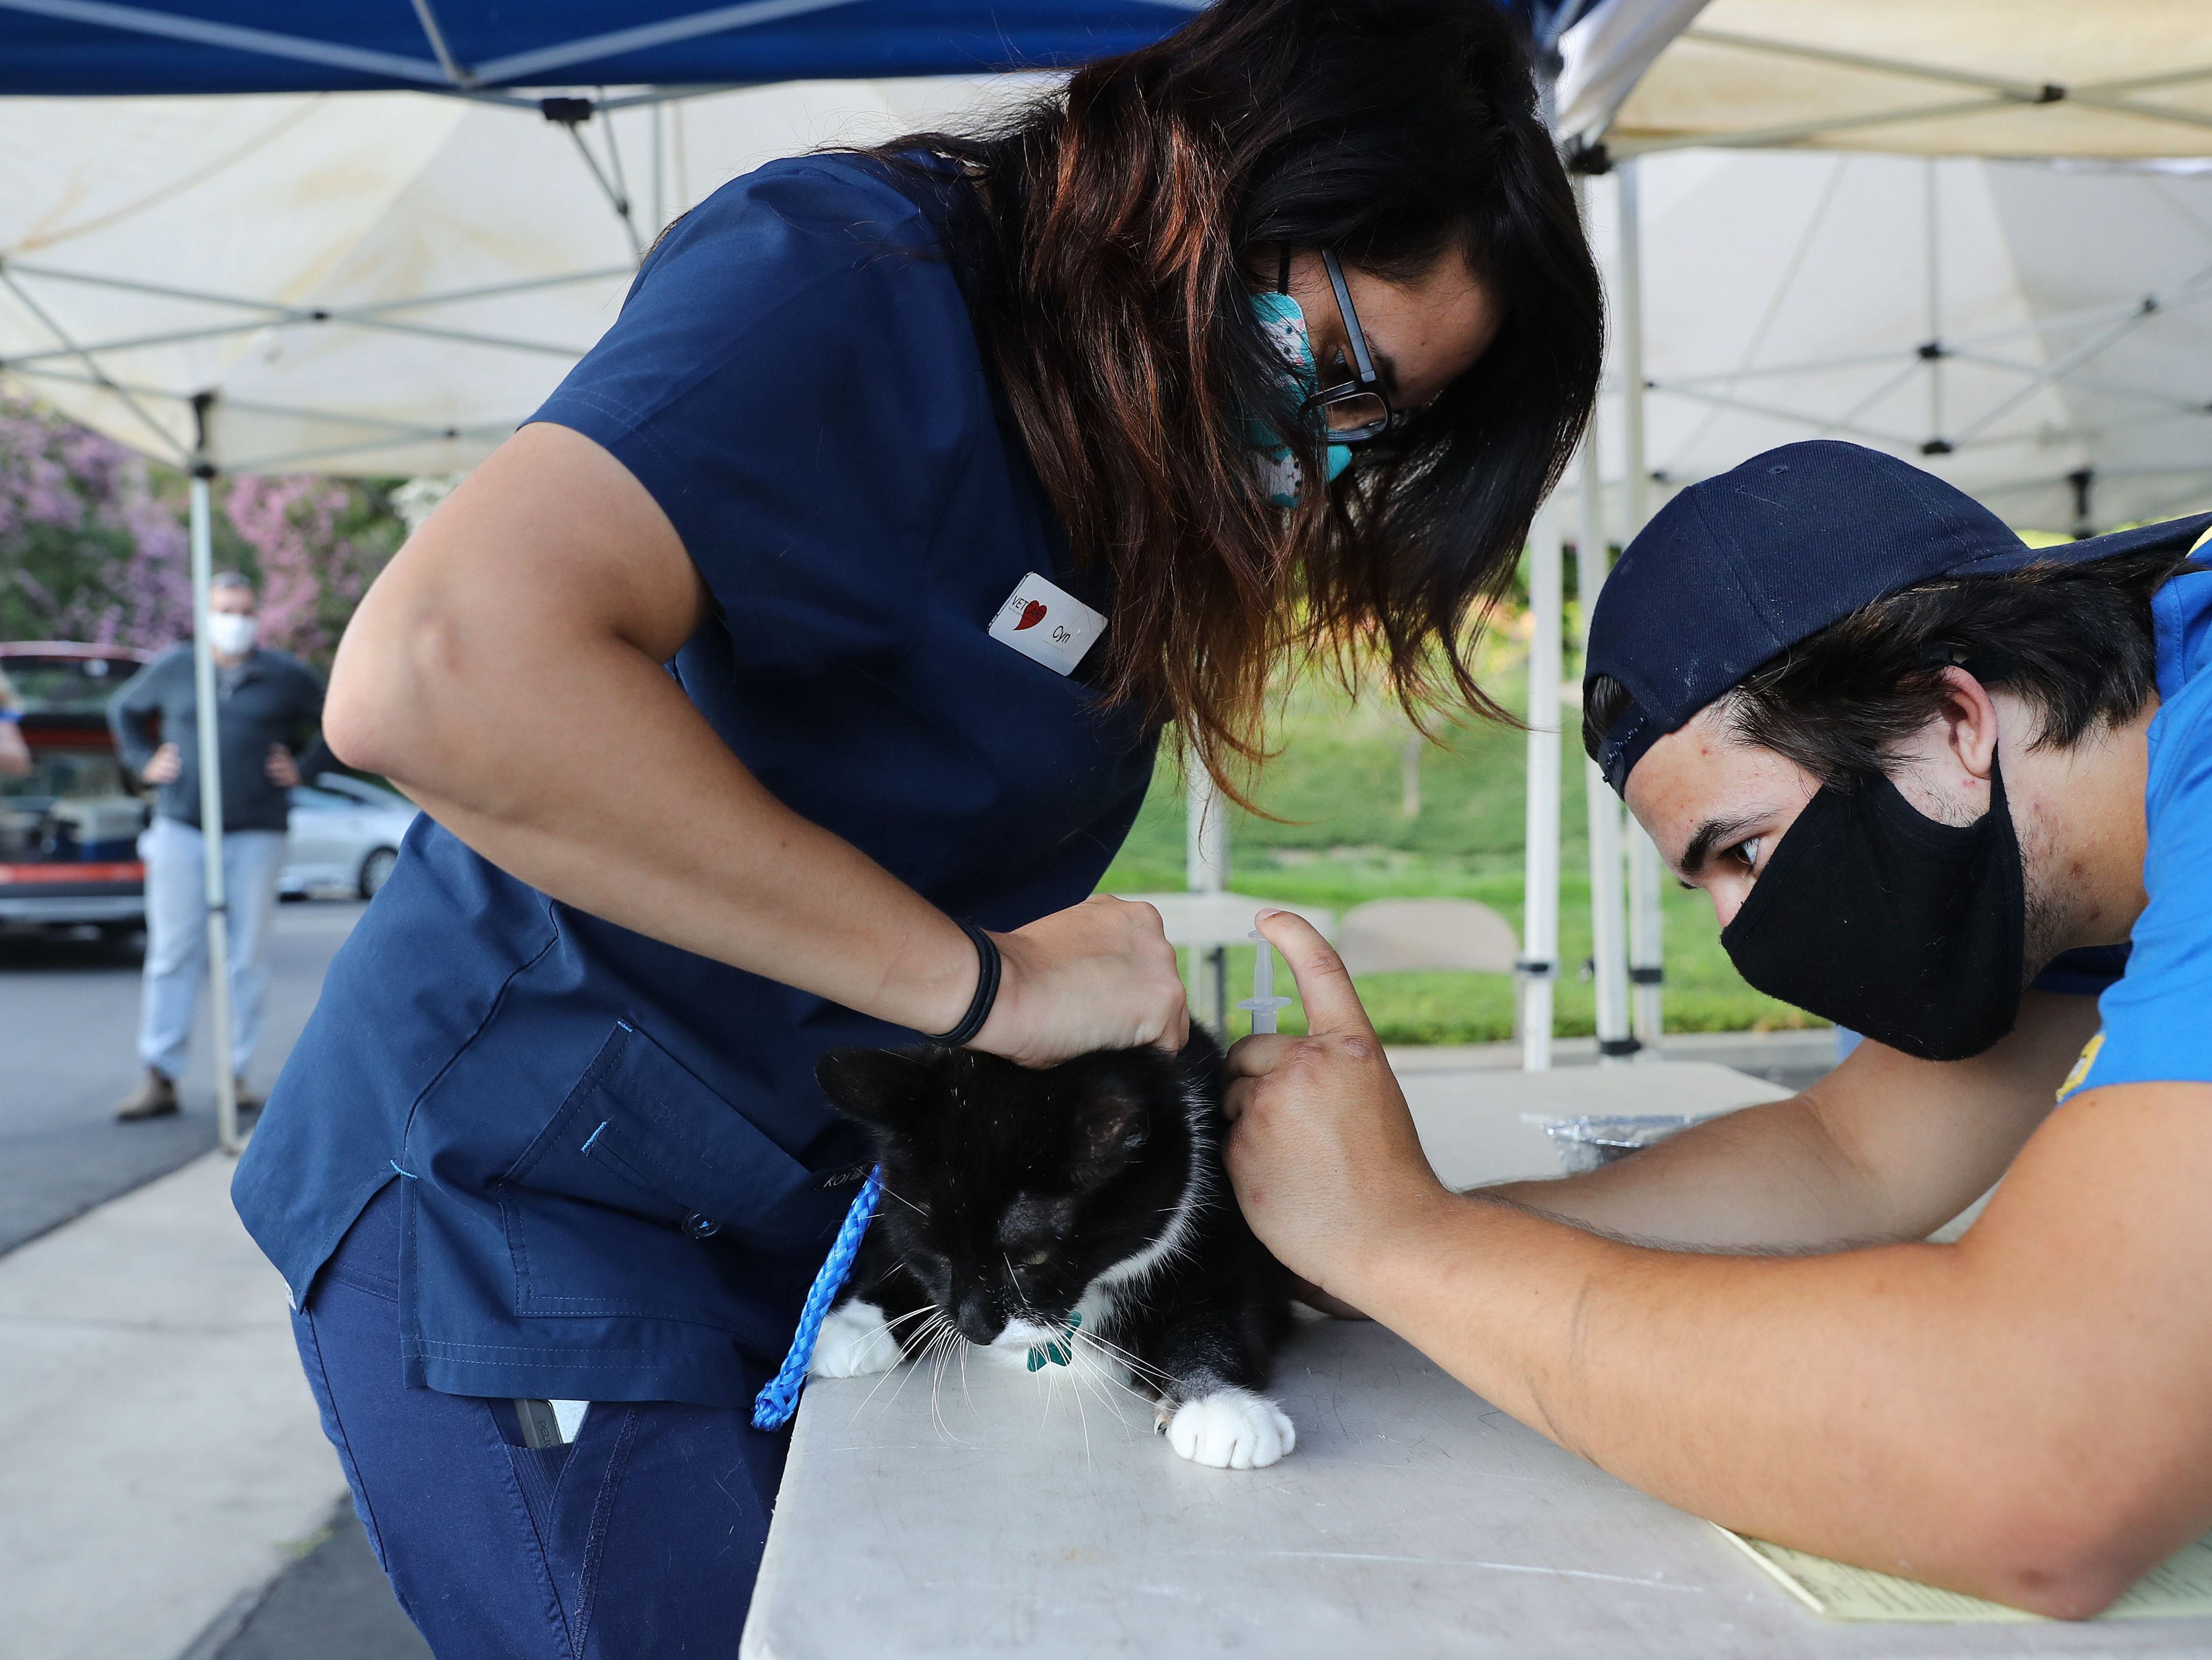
{"x": 474, "y": 47}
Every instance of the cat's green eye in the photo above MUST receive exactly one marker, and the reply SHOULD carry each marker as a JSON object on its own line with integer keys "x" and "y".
{"x": 1036, "y": 1259}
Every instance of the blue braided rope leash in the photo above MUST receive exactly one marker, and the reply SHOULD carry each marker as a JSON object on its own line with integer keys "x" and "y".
{"x": 774, "y": 1406}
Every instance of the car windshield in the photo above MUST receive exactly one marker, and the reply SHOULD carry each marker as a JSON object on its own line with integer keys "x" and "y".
{"x": 66, "y": 686}
{"x": 66, "y": 775}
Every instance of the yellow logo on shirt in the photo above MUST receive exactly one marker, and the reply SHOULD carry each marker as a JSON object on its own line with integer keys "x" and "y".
{"x": 2076, "y": 1078}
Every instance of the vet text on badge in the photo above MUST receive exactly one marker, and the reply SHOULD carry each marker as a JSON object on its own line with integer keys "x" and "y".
{"x": 1044, "y": 624}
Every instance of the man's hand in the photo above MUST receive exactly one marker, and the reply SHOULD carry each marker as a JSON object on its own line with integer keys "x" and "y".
{"x": 168, "y": 762}
{"x": 1322, "y": 1149}
{"x": 282, "y": 770}
{"x": 14, "y": 754}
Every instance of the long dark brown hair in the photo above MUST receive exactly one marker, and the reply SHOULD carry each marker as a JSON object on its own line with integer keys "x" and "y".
{"x": 1120, "y": 219}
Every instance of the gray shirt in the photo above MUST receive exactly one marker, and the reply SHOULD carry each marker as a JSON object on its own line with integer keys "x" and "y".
{"x": 270, "y": 698}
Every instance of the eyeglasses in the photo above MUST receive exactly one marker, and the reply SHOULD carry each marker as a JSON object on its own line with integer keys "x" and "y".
{"x": 1354, "y": 411}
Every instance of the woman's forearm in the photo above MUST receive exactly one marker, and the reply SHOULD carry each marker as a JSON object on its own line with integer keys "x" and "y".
{"x": 649, "y": 821}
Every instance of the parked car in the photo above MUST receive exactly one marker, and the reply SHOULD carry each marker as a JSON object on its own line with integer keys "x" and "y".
{"x": 69, "y": 831}
{"x": 344, "y": 834}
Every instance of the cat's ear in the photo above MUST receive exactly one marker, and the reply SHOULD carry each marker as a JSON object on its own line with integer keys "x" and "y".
{"x": 1111, "y": 1129}
{"x": 880, "y": 1087}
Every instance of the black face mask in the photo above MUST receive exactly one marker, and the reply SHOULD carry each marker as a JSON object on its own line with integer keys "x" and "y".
{"x": 1875, "y": 917}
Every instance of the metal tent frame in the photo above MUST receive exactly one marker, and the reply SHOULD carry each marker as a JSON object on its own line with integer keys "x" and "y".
{"x": 1985, "y": 94}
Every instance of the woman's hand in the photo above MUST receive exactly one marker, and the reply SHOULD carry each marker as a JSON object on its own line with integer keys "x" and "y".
{"x": 1322, "y": 1149}
{"x": 1097, "y": 976}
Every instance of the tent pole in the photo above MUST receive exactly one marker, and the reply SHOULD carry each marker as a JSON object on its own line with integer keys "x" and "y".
{"x": 1647, "y": 954}
{"x": 1206, "y": 870}
{"x": 660, "y": 114}
{"x": 1540, "y": 902}
{"x": 205, "y": 708}
{"x": 1608, "y": 957}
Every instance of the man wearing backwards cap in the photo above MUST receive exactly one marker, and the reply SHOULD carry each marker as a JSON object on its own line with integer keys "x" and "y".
{"x": 1934, "y": 782}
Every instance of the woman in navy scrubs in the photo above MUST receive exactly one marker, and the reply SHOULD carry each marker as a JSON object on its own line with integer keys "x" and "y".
{"x": 731, "y": 752}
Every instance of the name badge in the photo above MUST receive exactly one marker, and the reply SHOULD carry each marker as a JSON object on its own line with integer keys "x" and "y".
{"x": 1046, "y": 625}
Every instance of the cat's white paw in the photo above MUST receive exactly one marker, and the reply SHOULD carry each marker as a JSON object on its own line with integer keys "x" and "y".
{"x": 1231, "y": 1430}
{"x": 854, "y": 1341}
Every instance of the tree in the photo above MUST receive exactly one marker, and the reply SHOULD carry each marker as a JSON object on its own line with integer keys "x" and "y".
{"x": 93, "y": 543}
{"x": 313, "y": 546}
{"x": 89, "y": 549}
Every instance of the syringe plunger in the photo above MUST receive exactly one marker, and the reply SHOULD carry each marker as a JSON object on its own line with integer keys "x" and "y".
{"x": 1263, "y": 1003}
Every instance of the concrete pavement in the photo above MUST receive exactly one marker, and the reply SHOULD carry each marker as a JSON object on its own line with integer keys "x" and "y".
{"x": 69, "y": 1024}
{"x": 165, "y": 1488}
{"x": 159, "y": 1453}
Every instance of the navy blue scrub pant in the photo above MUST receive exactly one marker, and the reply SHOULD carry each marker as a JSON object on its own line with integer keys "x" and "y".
{"x": 641, "y": 1539}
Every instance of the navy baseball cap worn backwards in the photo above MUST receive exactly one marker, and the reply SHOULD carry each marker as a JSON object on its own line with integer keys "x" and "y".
{"x": 1739, "y": 567}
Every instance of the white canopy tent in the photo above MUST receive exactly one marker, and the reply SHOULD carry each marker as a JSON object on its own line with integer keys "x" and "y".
{"x": 2034, "y": 333}
{"x": 2039, "y": 335}
{"x": 365, "y": 284}
{"x": 2121, "y": 80}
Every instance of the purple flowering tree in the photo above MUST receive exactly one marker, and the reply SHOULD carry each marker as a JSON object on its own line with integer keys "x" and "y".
{"x": 89, "y": 549}
{"x": 315, "y": 544}
{"x": 94, "y": 546}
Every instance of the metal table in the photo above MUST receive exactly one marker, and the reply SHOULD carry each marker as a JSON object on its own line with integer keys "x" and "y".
{"x": 998, "y": 1514}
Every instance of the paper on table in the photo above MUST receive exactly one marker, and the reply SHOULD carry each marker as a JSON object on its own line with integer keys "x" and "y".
{"x": 2177, "y": 1589}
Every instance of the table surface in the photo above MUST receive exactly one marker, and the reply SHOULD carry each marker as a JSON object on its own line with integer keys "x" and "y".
{"x": 998, "y": 1512}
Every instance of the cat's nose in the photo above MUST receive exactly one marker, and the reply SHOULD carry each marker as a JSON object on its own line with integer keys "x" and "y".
{"x": 979, "y": 1319}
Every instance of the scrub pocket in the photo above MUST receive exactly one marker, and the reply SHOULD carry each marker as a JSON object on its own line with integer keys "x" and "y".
{"x": 647, "y": 1192}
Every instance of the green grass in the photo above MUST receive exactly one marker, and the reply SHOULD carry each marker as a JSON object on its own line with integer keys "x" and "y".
{"x": 1339, "y": 836}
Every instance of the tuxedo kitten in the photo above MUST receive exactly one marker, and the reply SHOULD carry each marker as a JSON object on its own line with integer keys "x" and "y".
{"x": 1077, "y": 1214}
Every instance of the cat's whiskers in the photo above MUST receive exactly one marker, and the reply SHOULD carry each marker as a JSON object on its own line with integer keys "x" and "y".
{"x": 889, "y": 1193}
{"x": 1083, "y": 1421}
{"x": 890, "y": 1326}
{"x": 947, "y": 1338}
{"x": 1142, "y": 1369}
{"x": 919, "y": 1339}
{"x": 1086, "y": 1368}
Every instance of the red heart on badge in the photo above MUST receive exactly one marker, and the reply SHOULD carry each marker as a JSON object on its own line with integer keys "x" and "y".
{"x": 1031, "y": 616}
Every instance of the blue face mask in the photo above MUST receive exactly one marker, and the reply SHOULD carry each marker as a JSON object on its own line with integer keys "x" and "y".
{"x": 1280, "y": 474}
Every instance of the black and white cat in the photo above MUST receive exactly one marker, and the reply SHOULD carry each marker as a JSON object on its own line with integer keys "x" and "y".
{"x": 1076, "y": 1211}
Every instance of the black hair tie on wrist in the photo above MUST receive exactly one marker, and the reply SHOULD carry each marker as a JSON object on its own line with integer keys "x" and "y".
{"x": 986, "y": 990}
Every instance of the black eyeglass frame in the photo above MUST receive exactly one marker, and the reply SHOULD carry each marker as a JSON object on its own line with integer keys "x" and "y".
{"x": 1365, "y": 388}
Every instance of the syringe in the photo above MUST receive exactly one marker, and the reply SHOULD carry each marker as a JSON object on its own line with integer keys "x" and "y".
{"x": 1262, "y": 1003}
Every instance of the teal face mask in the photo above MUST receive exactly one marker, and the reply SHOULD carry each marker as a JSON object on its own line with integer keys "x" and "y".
{"x": 1280, "y": 475}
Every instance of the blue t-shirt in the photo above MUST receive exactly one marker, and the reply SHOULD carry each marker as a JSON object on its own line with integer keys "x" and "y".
{"x": 2155, "y": 1027}
{"x": 621, "y": 1175}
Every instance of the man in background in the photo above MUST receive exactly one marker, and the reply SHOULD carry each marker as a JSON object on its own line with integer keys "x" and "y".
{"x": 268, "y": 705}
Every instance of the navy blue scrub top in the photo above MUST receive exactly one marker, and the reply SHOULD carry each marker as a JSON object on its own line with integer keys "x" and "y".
{"x": 618, "y": 1168}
